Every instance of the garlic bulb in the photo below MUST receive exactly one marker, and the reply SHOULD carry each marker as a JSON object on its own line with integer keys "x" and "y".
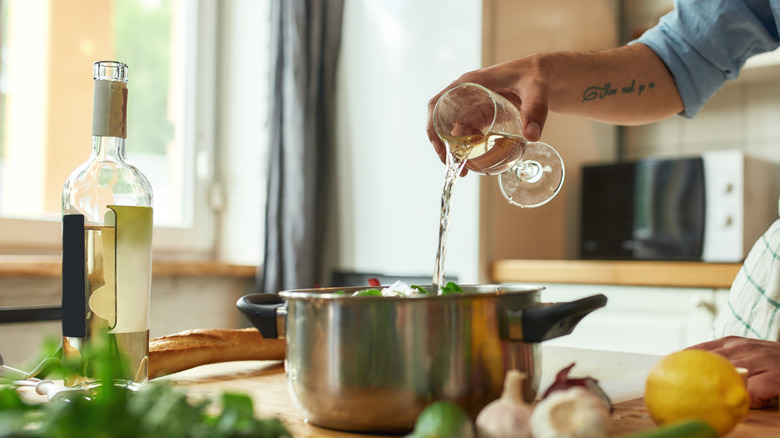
{"x": 509, "y": 416}
{"x": 570, "y": 413}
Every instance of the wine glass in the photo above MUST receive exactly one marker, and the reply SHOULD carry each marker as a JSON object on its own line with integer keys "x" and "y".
{"x": 483, "y": 131}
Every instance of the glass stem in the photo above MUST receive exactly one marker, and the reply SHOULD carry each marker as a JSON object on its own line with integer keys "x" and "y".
{"x": 529, "y": 171}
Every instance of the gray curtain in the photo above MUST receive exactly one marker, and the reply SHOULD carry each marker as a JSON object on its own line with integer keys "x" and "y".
{"x": 305, "y": 40}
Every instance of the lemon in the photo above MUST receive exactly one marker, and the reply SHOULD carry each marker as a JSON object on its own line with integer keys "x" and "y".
{"x": 443, "y": 419}
{"x": 696, "y": 385}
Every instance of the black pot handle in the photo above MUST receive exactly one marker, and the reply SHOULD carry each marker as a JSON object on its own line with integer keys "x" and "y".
{"x": 550, "y": 320}
{"x": 263, "y": 310}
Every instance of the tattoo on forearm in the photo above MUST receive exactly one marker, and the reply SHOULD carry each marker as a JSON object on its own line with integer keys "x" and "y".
{"x": 602, "y": 92}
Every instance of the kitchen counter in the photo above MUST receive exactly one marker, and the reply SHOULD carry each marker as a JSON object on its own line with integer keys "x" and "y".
{"x": 616, "y": 272}
{"x": 619, "y": 272}
{"x": 621, "y": 375}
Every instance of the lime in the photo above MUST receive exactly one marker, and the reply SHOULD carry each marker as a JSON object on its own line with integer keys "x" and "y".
{"x": 443, "y": 419}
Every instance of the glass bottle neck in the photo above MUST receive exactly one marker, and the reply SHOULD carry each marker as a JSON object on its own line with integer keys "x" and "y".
{"x": 107, "y": 148}
{"x": 109, "y": 111}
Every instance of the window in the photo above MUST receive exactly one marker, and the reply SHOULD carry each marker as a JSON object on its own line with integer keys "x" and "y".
{"x": 48, "y": 47}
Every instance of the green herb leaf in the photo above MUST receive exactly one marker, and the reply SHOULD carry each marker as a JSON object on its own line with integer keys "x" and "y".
{"x": 10, "y": 400}
{"x": 369, "y": 293}
{"x": 419, "y": 289}
{"x": 451, "y": 288}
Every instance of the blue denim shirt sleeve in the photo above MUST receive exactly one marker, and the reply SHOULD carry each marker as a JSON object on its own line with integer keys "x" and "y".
{"x": 704, "y": 43}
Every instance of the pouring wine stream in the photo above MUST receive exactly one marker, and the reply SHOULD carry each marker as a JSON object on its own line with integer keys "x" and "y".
{"x": 455, "y": 165}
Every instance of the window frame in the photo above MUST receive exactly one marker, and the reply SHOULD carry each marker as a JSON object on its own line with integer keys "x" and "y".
{"x": 198, "y": 125}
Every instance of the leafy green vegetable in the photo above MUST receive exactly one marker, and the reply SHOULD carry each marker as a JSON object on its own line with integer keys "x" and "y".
{"x": 155, "y": 410}
{"x": 369, "y": 293}
{"x": 419, "y": 289}
{"x": 451, "y": 288}
{"x": 448, "y": 289}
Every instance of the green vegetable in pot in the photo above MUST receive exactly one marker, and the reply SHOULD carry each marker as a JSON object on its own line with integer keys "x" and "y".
{"x": 450, "y": 289}
{"x": 368, "y": 293}
{"x": 419, "y": 289}
{"x": 443, "y": 419}
{"x": 401, "y": 289}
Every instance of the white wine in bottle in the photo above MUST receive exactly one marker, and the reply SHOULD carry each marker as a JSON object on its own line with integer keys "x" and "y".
{"x": 107, "y": 238}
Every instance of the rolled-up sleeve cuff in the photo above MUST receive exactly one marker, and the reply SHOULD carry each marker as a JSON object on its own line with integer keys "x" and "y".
{"x": 696, "y": 78}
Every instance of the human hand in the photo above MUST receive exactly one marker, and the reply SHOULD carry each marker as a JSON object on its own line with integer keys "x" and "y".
{"x": 523, "y": 82}
{"x": 761, "y": 359}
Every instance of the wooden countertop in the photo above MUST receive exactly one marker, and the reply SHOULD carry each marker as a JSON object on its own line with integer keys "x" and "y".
{"x": 622, "y": 273}
{"x": 265, "y": 382}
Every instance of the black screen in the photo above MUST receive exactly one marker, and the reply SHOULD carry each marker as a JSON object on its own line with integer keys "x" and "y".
{"x": 646, "y": 210}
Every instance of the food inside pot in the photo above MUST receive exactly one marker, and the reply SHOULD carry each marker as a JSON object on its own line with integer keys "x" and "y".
{"x": 401, "y": 289}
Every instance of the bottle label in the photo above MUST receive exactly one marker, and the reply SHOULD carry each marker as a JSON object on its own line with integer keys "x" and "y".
{"x": 107, "y": 272}
{"x": 109, "y": 109}
{"x": 133, "y": 269}
{"x": 74, "y": 305}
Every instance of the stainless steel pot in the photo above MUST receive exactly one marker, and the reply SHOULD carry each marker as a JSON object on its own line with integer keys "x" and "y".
{"x": 374, "y": 363}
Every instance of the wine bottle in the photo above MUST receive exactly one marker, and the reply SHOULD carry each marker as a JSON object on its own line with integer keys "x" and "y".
{"x": 107, "y": 238}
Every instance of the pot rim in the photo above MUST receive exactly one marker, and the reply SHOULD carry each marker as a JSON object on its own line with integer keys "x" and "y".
{"x": 470, "y": 291}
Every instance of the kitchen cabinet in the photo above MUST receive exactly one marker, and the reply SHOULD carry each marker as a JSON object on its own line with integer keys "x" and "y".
{"x": 652, "y": 308}
{"x": 641, "y": 319}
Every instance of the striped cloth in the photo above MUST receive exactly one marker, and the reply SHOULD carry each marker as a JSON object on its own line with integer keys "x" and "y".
{"x": 753, "y": 306}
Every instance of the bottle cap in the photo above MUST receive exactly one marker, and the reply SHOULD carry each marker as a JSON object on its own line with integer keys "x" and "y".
{"x": 109, "y": 108}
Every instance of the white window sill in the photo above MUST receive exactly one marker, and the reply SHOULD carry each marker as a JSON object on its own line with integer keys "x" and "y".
{"x": 51, "y": 266}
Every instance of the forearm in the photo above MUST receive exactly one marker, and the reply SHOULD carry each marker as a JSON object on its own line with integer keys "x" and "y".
{"x": 627, "y": 85}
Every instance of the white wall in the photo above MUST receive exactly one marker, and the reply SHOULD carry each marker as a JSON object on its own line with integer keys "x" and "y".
{"x": 395, "y": 55}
